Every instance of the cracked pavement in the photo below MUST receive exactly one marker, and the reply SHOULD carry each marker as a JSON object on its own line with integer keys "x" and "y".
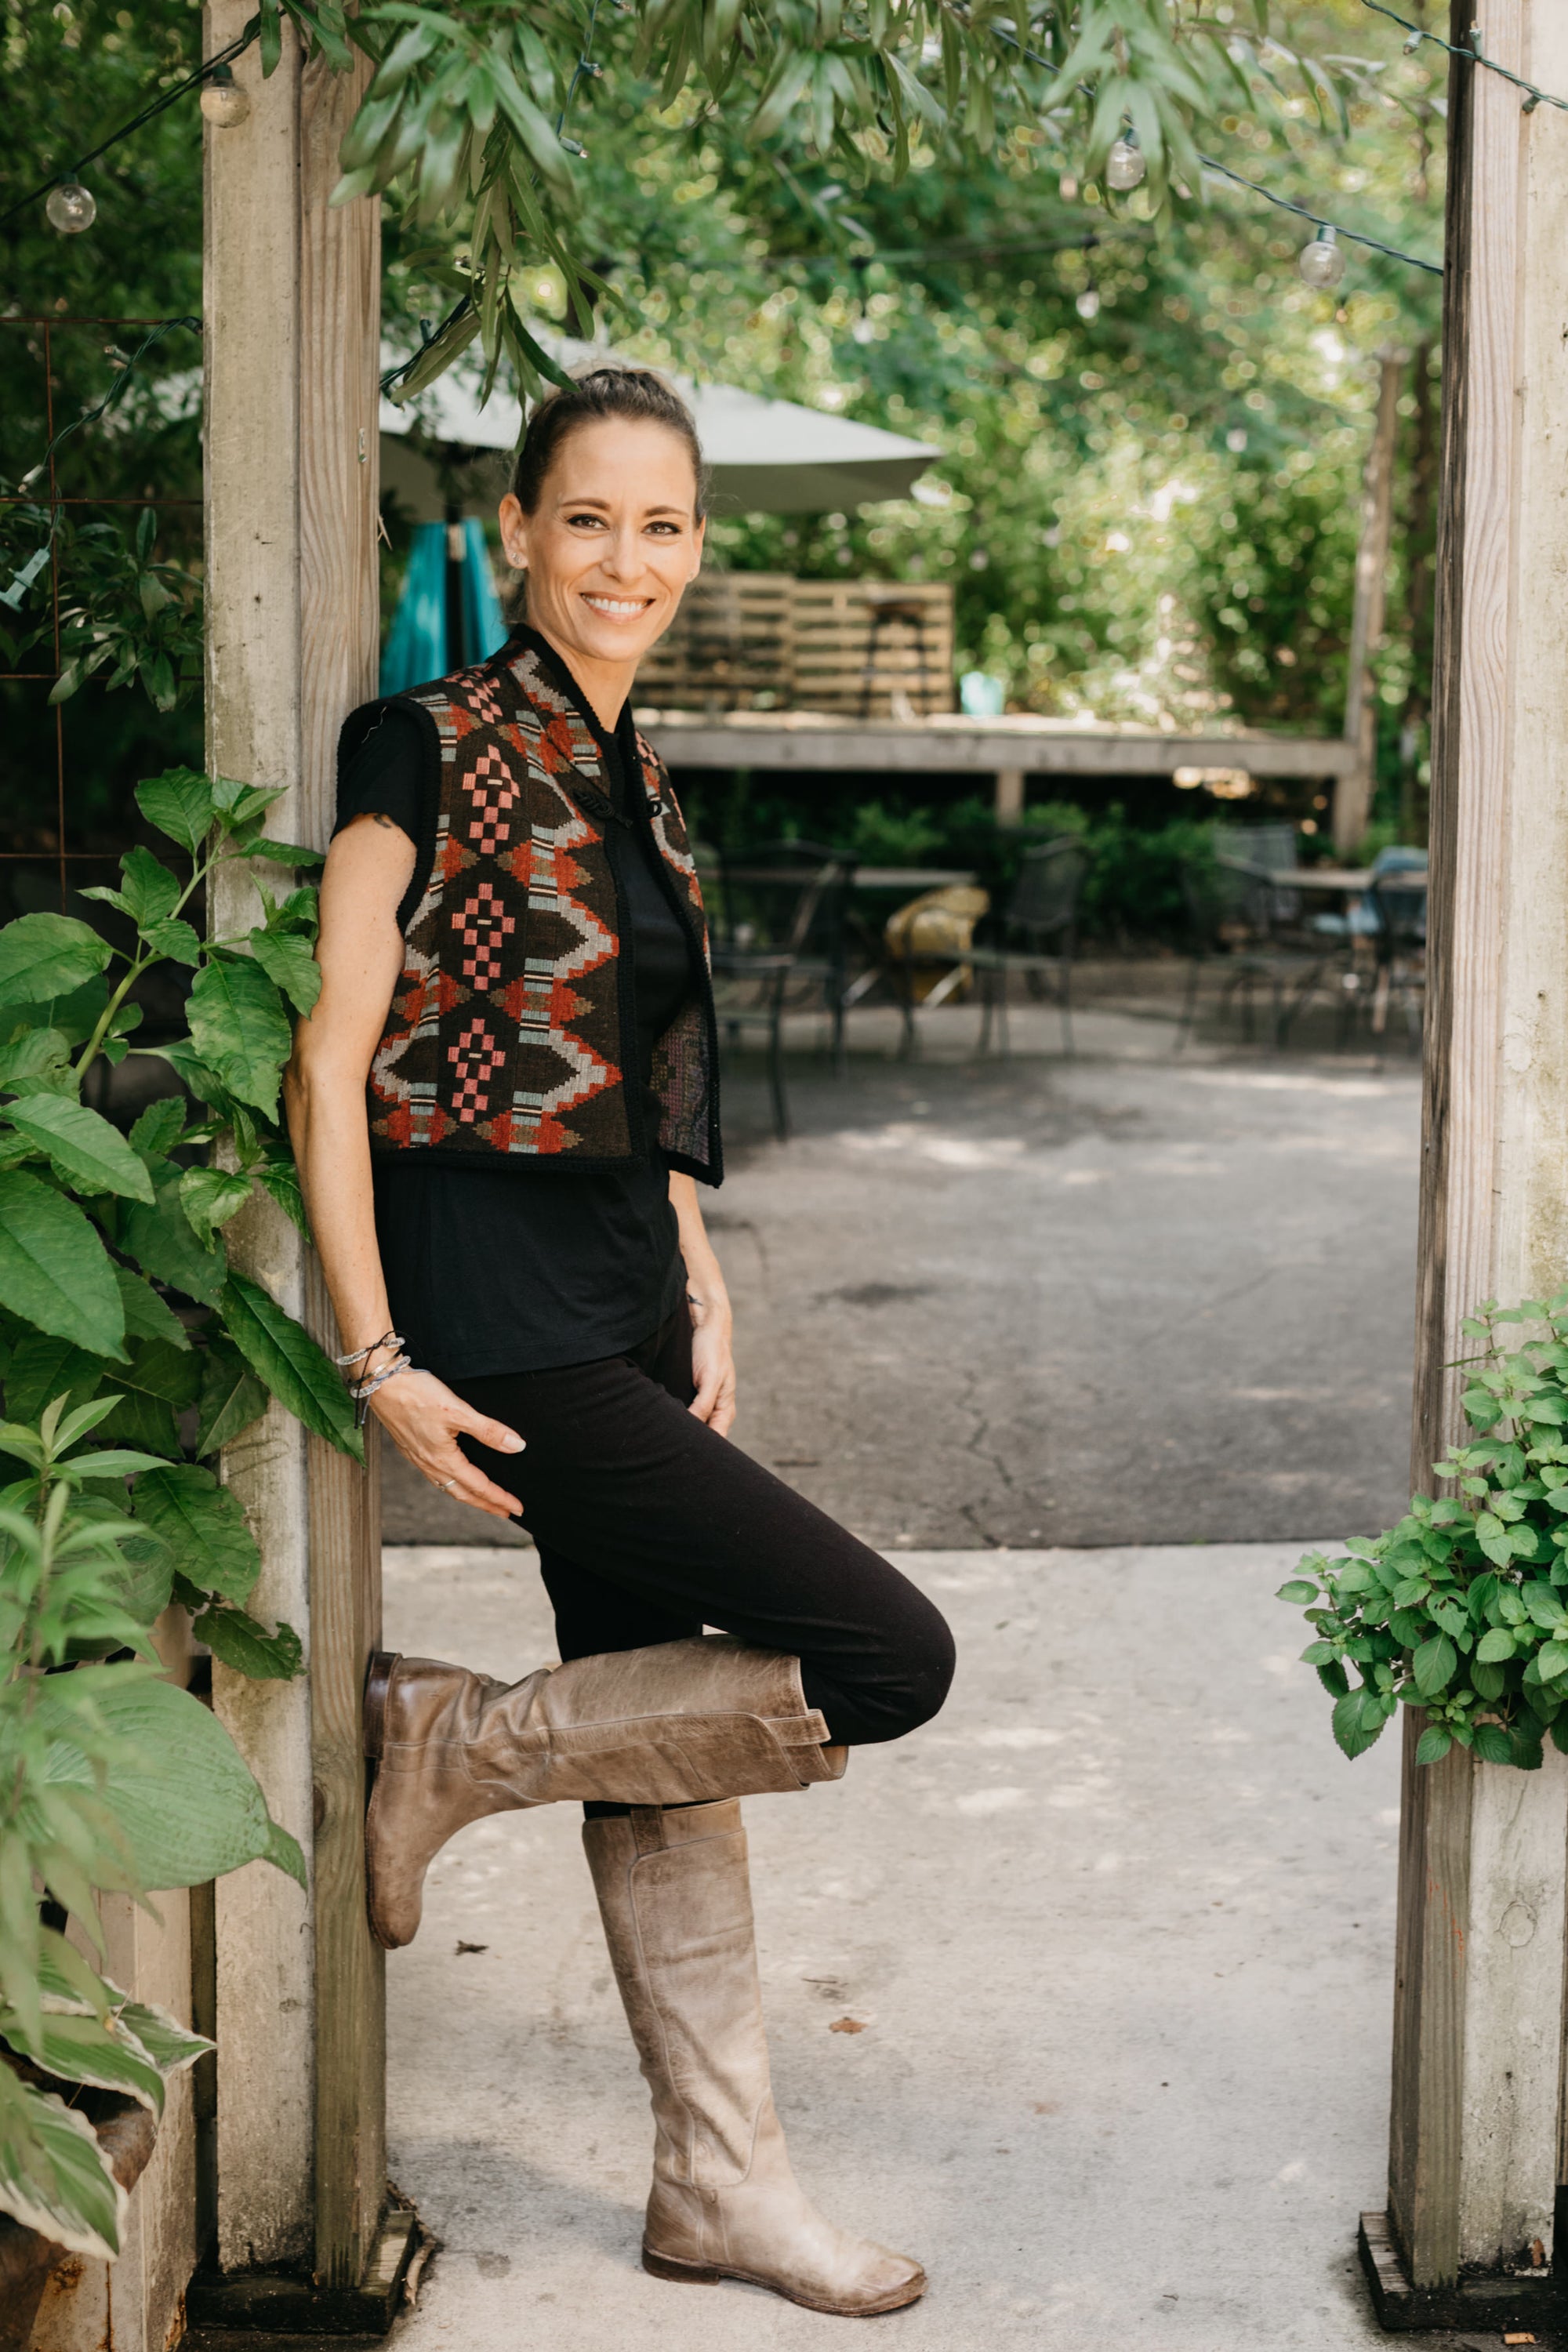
{"x": 1135, "y": 1298}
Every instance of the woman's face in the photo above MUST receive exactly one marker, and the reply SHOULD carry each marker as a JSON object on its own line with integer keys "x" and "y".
{"x": 614, "y": 541}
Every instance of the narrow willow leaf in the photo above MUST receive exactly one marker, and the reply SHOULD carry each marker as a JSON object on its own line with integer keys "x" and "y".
{"x": 54, "y": 1271}
{"x": 283, "y": 1354}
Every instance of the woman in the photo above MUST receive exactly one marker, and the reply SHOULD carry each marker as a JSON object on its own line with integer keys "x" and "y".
{"x": 501, "y": 1107}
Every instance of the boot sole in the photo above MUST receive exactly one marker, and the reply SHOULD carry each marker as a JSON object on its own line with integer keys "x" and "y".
{"x": 664, "y": 2266}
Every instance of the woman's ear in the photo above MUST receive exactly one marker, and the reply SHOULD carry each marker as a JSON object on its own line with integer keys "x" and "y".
{"x": 700, "y": 534}
{"x": 513, "y": 532}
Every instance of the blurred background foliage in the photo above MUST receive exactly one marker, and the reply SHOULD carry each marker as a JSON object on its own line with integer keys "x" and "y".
{"x": 1149, "y": 513}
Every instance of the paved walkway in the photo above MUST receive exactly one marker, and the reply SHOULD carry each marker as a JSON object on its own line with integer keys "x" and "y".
{"x": 1117, "y": 1929}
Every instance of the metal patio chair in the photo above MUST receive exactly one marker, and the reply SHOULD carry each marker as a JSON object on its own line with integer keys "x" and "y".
{"x": 779, "y": 948}
{"x": 1036, "y": 935}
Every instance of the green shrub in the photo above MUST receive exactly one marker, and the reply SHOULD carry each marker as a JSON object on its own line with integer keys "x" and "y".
{"x": 1462, "y": 1609}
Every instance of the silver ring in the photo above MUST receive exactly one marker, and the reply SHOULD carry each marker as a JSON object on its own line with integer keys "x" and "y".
{"x": 442, "y": 1484}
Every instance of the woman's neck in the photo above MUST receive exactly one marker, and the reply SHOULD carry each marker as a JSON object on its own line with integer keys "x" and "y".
{"x": 603, "y": 686}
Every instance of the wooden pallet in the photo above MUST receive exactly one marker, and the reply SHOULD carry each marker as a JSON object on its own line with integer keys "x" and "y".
{"x": 761, "y": 641}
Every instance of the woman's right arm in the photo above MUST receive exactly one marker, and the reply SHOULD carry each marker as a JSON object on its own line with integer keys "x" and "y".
{"x": 359, "y": 952}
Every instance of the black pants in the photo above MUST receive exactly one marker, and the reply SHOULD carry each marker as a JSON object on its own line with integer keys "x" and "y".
{"x": 650, "y": 1527}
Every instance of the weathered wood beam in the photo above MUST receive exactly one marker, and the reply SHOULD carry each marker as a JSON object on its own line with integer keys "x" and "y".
{"x": 1475, "y": 2163}
{"x": 972, "y": 747}
{"x": 1353, "y": 791}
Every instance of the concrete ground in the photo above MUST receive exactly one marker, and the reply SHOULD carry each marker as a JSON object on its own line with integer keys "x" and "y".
{"x": 1140, "y": 1296}
{"x": 1117, "y": 1929}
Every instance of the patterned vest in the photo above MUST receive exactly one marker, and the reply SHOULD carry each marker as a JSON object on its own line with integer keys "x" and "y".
{"x": 512, "y": 1027}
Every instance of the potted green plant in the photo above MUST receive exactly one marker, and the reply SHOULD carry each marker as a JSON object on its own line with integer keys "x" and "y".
{"x": 1462, "y": 1609}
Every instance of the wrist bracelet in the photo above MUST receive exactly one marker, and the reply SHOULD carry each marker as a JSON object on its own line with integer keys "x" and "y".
{"x": 358, "y": 1355}
{"x": 363, "y": 1391}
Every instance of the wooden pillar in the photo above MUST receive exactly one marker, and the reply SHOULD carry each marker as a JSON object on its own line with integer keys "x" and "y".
{"x": 1475, "y": 2164}
{"x": 292, "y": 343}
{"x": 1353, "y": 793}
{"x": 1009, "y": 802}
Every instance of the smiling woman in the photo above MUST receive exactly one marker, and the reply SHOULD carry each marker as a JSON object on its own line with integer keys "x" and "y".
{"x": 501, "y": 1106}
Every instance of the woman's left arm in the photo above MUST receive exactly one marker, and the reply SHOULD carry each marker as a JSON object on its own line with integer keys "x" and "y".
{"x": 712, "y": 1358}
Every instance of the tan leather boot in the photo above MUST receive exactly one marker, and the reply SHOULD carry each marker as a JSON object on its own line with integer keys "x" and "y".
{"x": 675, "y": 1896}
{"x": 687, "y": 1720}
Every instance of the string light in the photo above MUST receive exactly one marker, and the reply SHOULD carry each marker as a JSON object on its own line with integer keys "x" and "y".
{"x": 1375, "y": 244}
{"x": 223, "y": 101}
{"x": 1125, "y": 166}
{"x": 1322, "y": 262}
{"x": 583, "y": 71}
{"x": 1473, "y": 56}
{"x": 1087, "y": 304}
{"x": 71, "y": 207}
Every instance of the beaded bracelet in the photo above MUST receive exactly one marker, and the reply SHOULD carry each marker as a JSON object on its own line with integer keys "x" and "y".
{"x": 358, "y": 1355}
{"x": 363, "y": 1391}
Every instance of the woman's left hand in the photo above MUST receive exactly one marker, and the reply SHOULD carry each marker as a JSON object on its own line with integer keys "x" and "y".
{"x": 712, "y": 1366}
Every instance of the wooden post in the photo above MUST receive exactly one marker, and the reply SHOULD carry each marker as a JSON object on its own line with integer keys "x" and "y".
{"x": 1009, "y": 802}
{"x": 293, "y": 348}
{"x": 1352, "y": 793}
{"x": 1475, "y": 2163}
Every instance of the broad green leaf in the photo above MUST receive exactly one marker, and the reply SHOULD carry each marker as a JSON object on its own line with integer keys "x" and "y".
{"x": 85, "y": 1148}
{"x": 1433, "y": 1665}
{"x": 240, "y": 1029}
{"x": 289, "y": 961}
{"x": 144, "y": 1582}
{"x": 204, "y": 1527}
{"x": 1334, "y": 1679}
{"x": 1298, "y": 1590}
{"x": 80, "y": 2050}
{"x": 111, "y": 1462}
{"x": 160, "y": 1127}
{"x": 1546, "y": 1606}
{"x": 173, "y": 938}
{"x": 1493, "y": 1745}
{"x": 1551, "y": 1661}
{"x": 47, "y": 956}
{"x": 161, "y": 1241}
{"x": 1433, "y": 1745}
{"x": 1489, "y": 1681}
{"x": 35, "y": 1052}
{"x": 171, "y": 2045}
{"x": 54, "y": 2178}
{"x": 179, "y": 803}
{"x": 160, "y": 1382}
{"x": 43, "y": 1368}
{"x": 231, "y": 1398}
{"x": 1495, "y": 1645}
{"x": 186, "y": 1804}
{"x": 237, "y": 1641}
{"x": 54, "y": 1271}
{"x": 286, "y": 853}
{"x": 288, "y": 1359}
{"x": 150, "y": 891}
{"x": 281, "y": 1179}
{"x": 148, "y": 1316}
{"x": 210, "y": 1196}
{"x": 1358, "y": 1719}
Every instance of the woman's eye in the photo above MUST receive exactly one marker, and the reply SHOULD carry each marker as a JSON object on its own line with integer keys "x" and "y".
{"x": 593, "y": 520}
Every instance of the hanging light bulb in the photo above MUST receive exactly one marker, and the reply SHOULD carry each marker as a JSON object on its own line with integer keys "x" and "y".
{"x": 70, "y": 207}
{"x": 1322, "y": 262}
{"x": 1088, "y": 303}
{"x": 1125, "y": 166}
{"x": 222, "y": 101}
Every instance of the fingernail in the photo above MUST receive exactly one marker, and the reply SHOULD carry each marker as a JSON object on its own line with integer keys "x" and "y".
{"x": 514, "y": 1445}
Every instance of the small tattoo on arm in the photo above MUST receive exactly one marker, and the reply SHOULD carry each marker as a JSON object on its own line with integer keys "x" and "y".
{"x": 382, "y": 818}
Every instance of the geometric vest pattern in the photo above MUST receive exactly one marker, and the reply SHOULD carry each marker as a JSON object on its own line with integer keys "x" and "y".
{"x": 510, "y": 1028}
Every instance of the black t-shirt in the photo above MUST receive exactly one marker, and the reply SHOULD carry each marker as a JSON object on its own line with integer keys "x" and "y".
{"x": 492, "y": 1269}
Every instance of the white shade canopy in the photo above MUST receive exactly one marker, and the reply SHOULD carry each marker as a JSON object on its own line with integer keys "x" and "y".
{"x": 767, "y": 456}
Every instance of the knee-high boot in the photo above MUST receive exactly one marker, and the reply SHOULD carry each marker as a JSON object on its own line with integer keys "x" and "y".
{"x": 673, "y": 1725}
{"x": 675, "y": 1895}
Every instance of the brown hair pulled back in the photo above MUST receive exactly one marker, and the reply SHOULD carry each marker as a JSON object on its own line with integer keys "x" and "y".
{"x": 636, "y": 395}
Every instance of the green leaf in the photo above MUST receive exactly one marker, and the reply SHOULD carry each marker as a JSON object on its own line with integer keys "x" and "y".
{"x": 291, "y": 964}
{"x": 54, "y": 1271}
{"x": 210, "y": 1196}
{"x": 1298, "y": 1590}
{"x": 237, "y": 1641}
{"x": 175, "y": 940}
{"x": 160, "y": 1240}
{"x": 54, "y": 2178}
{"x": 85, "y": 1148}
{"x": 32, "y": 1055}
{"x": 1489, "y": 1681}
{"x": 148, "y": 1316}
{"x": 1497, "y": 1644}
{"x": 1493, "y": 1745}
{"x": 1334, "y": 1679}
{"x": 1358, "y": 1719}
{"x": 204, "y": 1527}
{"x": 144, "y": 1584}
{"x": 161, "y": 1383}
{"x": 80, "y": 2050}
{"x": 240, "y": 1029}
{"x": 232, "y": 1398}
{"x": 47, "y": 956}
{"x": 1433, "y": 1745}
{"x": 185, "y": 1801}
{"x": 1433, "y": 1665}
{"x": 288, "y": 1359}
{"x": 281, "y": 1179}
{"x": 171, "y": 2045}
{"x": 286, "y": 853}
{"x": 179, "y": 803}
{"x": 42, "y": 1369}
{"x": 1551, "y": 1661}
{"x": 1546, "y": 1606}
{"x": 149, "y": 891}
{"x": 159, "y": 1128}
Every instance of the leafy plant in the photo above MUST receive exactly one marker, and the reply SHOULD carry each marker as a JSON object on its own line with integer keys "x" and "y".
{"x": 126, "y": 616}
{"x": 112, "y": 1779}
{"x": 1462, "y": 1609}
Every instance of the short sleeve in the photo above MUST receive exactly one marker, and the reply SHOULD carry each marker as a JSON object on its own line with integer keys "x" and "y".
{"x": 385, "y": 774}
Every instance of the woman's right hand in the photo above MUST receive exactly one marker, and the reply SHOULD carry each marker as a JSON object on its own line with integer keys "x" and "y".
{"x": 422, "y": 1416}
